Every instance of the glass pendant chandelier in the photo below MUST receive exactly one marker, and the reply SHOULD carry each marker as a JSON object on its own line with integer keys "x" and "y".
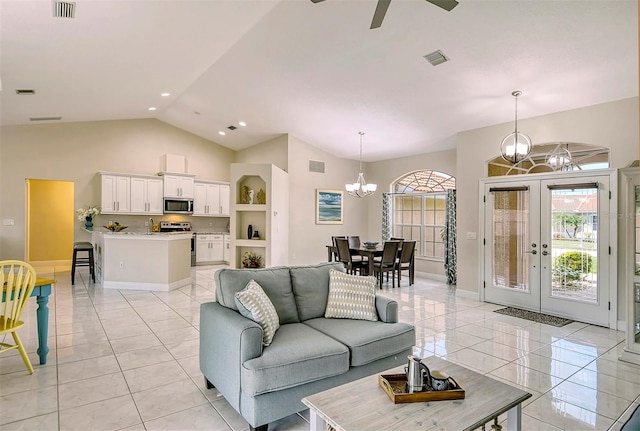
{"x": 516, "y": 146}
{"x": 360, "y": 188}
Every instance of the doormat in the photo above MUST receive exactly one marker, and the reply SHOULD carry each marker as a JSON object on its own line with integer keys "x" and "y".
{"x": 533, "y": 316}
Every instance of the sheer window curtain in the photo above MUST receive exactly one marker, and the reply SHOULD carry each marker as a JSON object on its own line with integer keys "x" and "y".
{"x": 450, "y": 240}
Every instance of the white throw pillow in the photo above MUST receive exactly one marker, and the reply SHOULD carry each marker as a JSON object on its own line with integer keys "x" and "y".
{"x": 254, "y": 304}
{"x": 351, "y": 297}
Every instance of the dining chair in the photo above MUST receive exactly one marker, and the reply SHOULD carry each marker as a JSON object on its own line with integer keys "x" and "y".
{"x": 18, "y": 280}
{"x": 387, "y": 263}
{"x": 335, "y": 253}
{"x": 405, "y": 262}
{"x": 345, "y": 257}
{"x": 354, "y": 242}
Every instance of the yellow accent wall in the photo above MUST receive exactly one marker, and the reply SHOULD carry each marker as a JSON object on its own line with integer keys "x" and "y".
{"x": 50, "y": 220}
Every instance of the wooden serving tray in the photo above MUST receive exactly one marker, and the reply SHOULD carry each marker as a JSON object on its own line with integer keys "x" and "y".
{"x": 395, "y": 385}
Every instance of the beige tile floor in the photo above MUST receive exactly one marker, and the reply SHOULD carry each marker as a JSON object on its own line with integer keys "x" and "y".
{"x": 129, "y": 360}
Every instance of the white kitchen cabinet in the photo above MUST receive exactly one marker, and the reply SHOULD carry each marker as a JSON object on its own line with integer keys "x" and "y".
{"x": 178, "y": 186}
{"x": 211, "y": 199}
{"x": 146, "y": 195}
{"x": 226, "y": 252}
{"x": 209, "y": 248}
{"x": 116, "y": 194}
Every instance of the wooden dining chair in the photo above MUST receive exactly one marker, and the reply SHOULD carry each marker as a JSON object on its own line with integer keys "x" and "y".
{"x": 18, "y": 280}
{"x": 354, "y": 242}
{"x": 406, "y": 261}
{"x": 335, "y": 253}
{"x": 345, "y": 257}
{"x": 387, "y": 263}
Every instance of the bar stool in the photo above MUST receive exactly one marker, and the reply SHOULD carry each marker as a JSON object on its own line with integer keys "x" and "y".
{"x": 82, "y": 261}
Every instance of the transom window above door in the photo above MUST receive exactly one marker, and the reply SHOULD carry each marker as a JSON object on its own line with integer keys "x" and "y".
{"x": 553, "y": 157}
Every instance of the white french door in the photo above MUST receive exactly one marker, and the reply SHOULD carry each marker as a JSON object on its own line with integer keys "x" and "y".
{"x": 547, "y": 245}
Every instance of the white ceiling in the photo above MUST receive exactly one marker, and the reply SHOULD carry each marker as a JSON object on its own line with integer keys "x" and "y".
{"x": 316, "y": 71}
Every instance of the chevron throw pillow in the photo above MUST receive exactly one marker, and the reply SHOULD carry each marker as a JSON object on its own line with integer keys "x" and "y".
{"x": 254, "y": 304}
{"x": 351, "y": 297}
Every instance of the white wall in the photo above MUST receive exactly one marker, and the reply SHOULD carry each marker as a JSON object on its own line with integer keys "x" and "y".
{"x": 613, "y": 125}
{"x": 307, "y": 240}
{"x": 274, "y": 151}
{"x": 386, "y": 172}
{"x": 77, "y": 151}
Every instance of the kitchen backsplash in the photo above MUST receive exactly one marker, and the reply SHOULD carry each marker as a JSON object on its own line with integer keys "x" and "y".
{"x": 136, "y": 223}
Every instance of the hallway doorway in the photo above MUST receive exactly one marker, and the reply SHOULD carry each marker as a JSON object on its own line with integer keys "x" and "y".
{"x": 50, "y": 222}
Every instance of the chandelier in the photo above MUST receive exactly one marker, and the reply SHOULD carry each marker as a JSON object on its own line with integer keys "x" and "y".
{"x": 360, "y": 188}
{"x": 516, "y": 146}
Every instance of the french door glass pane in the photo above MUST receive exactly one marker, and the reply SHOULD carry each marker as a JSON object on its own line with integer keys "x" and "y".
{"x": 574, "y": 243}
{"x": 511, "y": 239}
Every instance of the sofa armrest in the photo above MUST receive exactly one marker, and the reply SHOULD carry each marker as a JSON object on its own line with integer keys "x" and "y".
{"x": 387, "y": 309}
{"x": 227, "y": 340}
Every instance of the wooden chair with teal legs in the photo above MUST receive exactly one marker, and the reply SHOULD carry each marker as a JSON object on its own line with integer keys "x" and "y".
{"x": 17, "y": 279}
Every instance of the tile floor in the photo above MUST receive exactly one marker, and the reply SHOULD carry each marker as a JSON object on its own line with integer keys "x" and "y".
{"x": 128, "y": 360}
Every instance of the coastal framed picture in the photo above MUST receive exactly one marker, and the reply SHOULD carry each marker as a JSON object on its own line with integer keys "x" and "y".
{"x": 329, "y": 206}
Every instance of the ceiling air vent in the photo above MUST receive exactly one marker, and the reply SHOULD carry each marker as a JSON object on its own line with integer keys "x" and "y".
{"x": 45, "y": 118}
{"x": 64, "y": 9}
{"x": 25, "y": 92}
{"x": 315, "y": 166}
{"x": 436, "y": 58}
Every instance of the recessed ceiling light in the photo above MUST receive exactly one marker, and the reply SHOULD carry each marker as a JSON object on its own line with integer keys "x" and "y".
{"x": 153, "y": 108}
{"x": 242, "y": 123}
{"x": 221, "y": 133}
{"x": 166, "y": 94}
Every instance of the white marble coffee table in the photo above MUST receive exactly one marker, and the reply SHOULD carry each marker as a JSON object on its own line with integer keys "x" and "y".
{"x": 363, "y": 405}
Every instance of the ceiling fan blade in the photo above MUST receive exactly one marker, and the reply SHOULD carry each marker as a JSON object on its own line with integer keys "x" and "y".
{"x": 381, "y": 10}
{"x": 444, "y": 4}
{"x": 316, "y": 1}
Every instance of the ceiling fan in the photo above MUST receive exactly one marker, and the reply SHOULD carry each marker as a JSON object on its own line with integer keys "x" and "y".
{"x": 383, "y": 5}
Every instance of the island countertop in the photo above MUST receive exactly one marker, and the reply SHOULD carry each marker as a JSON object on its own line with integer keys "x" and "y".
{"x": 159, "y": 261}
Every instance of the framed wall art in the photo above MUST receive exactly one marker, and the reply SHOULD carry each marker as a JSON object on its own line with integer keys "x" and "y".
{"x": 329, "y": 206}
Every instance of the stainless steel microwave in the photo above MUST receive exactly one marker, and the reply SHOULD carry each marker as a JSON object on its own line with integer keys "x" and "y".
{"x": 178, "y": 206}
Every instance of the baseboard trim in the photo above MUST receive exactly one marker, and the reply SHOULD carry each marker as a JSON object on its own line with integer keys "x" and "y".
{"x": 156, "y": 287}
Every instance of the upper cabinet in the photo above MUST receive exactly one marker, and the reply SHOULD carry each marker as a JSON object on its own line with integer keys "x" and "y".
{"x": 146, "y": 195}
{"x": 211, "y": 199}
{"x": 178, "y": 186}
{"x": 116, "y": 194}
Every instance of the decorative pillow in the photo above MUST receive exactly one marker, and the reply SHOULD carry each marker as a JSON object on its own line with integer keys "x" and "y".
{"x": 351, "y": 297}
{"x": 254, "y": 304}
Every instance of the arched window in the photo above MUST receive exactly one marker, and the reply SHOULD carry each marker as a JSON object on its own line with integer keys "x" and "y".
{"x": 419, "y": 202}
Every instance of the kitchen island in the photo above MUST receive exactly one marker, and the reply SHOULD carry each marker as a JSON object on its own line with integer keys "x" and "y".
{"x": 142, "y": 261}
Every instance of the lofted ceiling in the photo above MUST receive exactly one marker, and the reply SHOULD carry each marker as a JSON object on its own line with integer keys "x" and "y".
{"x": 316, "y": 70}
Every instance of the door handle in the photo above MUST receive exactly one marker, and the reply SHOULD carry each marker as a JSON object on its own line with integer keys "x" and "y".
{"x": 532, "y": 251}
{"x": 545, "y": 252}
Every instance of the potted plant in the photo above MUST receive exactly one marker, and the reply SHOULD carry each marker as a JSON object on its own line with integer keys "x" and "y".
{"x": 251, "y": 260}
{"x": 87, "y": 214}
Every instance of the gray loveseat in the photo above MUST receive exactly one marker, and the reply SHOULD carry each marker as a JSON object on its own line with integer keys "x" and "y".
{"x": 309, "y": 353}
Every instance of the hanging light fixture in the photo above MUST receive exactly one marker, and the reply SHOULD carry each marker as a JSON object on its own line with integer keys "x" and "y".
{"x": 360, "y": 188}
{"x": 560, "y": 158}
{"x": 516, "y": 146}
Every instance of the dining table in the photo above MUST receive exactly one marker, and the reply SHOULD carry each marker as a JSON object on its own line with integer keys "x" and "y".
{"x": 368, "y": 252}
{"x": 41, "y": 292}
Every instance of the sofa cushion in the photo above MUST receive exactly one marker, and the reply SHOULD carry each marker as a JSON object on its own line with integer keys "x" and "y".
{"x": 367, "y": 341}
{"x": 298, "y": 354}
{"x": 276, "y": 283}
{"x": 351, "y": 297}
{"x": 311, "y": 288}
{"x": 254, "y": 304}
